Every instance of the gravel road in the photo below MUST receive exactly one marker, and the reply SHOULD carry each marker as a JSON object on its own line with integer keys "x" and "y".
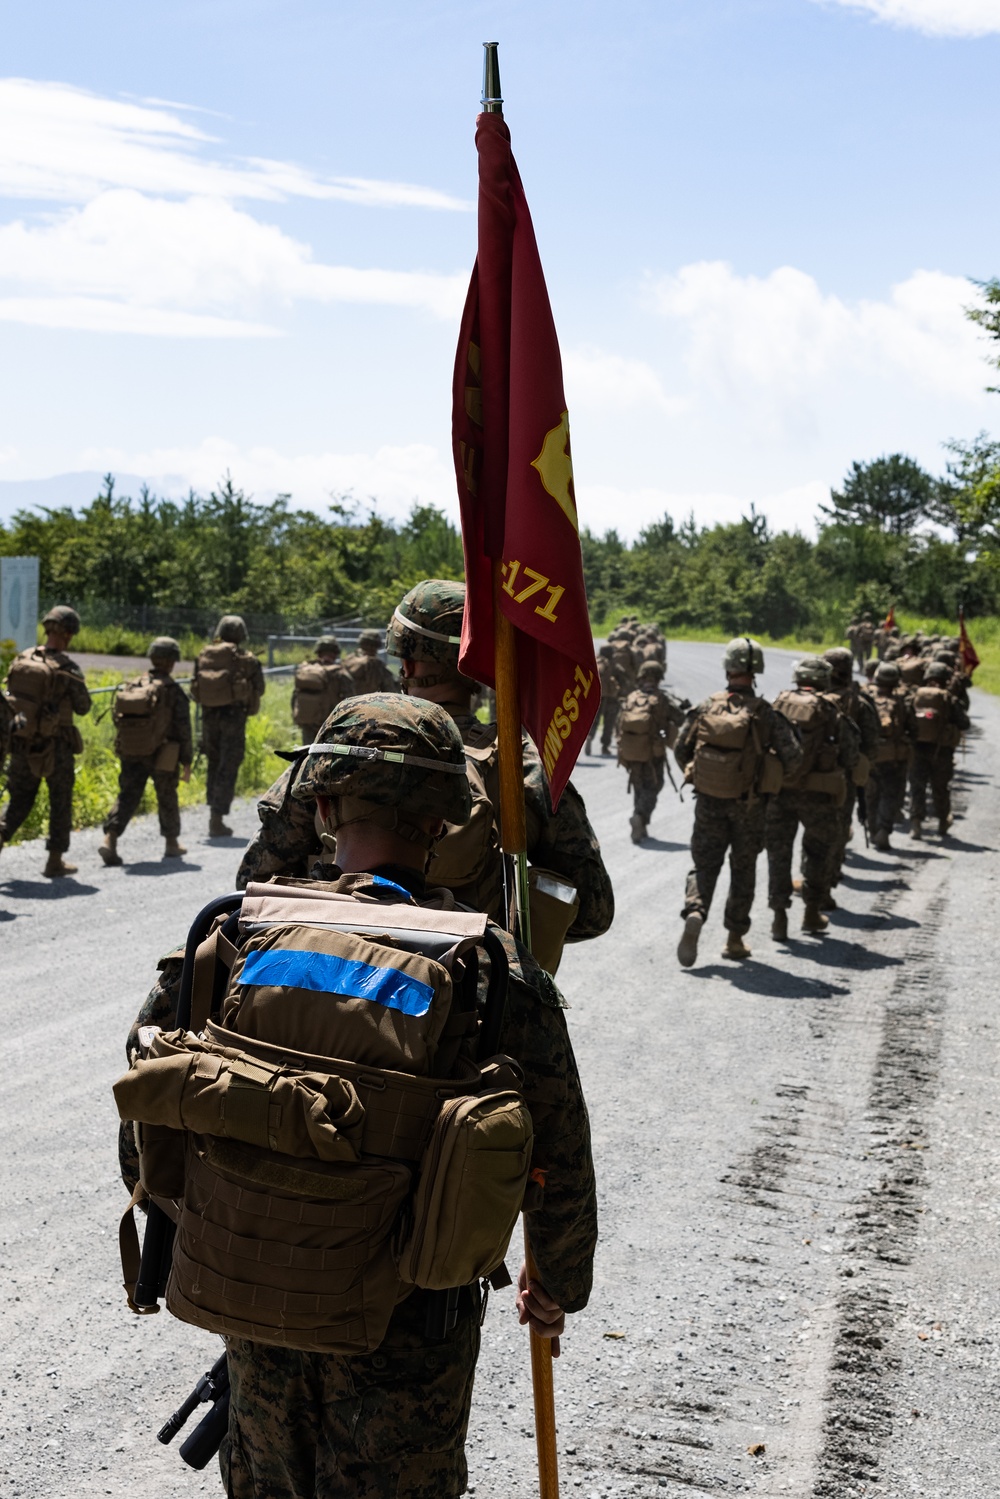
{"x": 796, "y": 1290}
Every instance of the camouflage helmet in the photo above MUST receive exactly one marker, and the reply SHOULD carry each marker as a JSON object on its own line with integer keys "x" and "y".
{"x": 427, "y": 623}
{"x": 369, "y": 641}
{"x": 743, "y": 656}
{"x": 938, "y": 671}
{"x": 62, "y": 617}
{"x": 652, "y": 669}
{"x": 812, "y": 671}
{"x": 232, "y": 628}
{"x": 841, "y": 662}
{"x": 944, "y": 654}
{"x": 164, "y": 648}
{"x": 388, "y": 755}
{"x": 871, "y": 667}
{"x": 607, "y": 651}
{"x": 887, "y": 674}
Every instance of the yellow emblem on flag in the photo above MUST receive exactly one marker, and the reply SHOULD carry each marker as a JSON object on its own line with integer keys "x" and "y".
{"x": 555, "y": 469}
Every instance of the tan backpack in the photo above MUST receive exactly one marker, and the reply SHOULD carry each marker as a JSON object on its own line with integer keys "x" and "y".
{"x": 223, "y": 677}
{"x": 729, "y": 748}
{"x": 932, "y": 711}
{"x": 891, "y": 745}
{"x": 36, "y": 692}
{"x": 318, "y": 690}
{"x": 638, "y": 740}
{"x": 141, "y": 714}
{"x": 333, "y": 1139}
{"x": 815, "y": 717}
{"x": 911, "y": 670}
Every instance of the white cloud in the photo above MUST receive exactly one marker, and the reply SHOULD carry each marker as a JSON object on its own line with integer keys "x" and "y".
{"x": 396, "y": 476}
{"x": 599, "y": 379}
{"x": 933, "y": 17}
{"x": 772, "y": 346}
{"x": 65, "y": 144}
{"x": 197, "y": 256}
{"x": 628, "y": 510}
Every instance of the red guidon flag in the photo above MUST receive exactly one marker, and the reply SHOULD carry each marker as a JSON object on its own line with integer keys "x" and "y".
{"x": 890, "y": 619}
{"x": 510, "y": 432}
{"x": 968, "y": 652}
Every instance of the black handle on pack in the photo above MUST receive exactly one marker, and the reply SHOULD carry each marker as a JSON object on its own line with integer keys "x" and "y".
{"x": 200, "y": 1447}
{"x": 154, "y": 1262}
{"x": 199, "y": 930}
{"x": 495, "y": 1008}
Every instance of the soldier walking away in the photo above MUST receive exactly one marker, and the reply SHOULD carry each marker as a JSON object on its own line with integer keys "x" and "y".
{"x": 572, "y": 899}
{"x": 369, "y": 673}
{"x": 813, "y": 795}
{"x": 320, "y": 684}
{"x": 865, "y": 638}
{"x": 886, "y": 788}
{"x": 854, "y": 642}
{"x": 647, "y": 727}
{"x": 152, "y": 718}
{"x": 734, "y": 749}
{"x": 613, "y": 689}
{"x": 228, "y": 686}
{"x": 855, "y": 701}
{"x": 45, "y": 688}
{"x": 936, "y": 721}
{"x": 347, "y": 1377}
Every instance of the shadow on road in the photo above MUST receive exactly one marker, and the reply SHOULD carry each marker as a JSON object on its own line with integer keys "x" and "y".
{"x": 162, "y": 866}
{"x": 872, "y": 921}
{"x": 895, "y": 883}
{"x": 658, "y": 844}
{"x": 834, "y": 953}
{"x": 47, "y": 889}
{"x": 772, "y": 983}
{"x": 951, "y": 842}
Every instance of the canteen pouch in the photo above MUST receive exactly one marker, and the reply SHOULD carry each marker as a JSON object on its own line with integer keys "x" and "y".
{"x": 161, "y": 1159}
{"x": 42, "y": 762}
{"x": 471, "y": 1186}
{"x": 167, "y": 756}
{"x": 772, "y": 775}
{"x": 553, "y": 905}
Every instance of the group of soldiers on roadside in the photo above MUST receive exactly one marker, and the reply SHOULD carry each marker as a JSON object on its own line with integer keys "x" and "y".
{"x": 761, "y": 771}
{"x": 45, "y": 690}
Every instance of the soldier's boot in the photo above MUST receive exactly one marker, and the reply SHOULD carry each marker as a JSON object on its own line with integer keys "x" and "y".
{"x": 813, "y": 919}
{"x": 828, "y": 903}
{"x": 687, "y": 947}
{"x": 56, "y": 866}
{"x": 108, "y": 850}
{"x": 217, "y": 828}
{"x": 880, "y": 840}
{"x": 607, "y": 751}
{"x": 638, "y": 825}
{"x": 735, "y": 948}
{"x": 173, "y": 849}
{"x": 779, "y": 926}
{"x": 916, "y": 829}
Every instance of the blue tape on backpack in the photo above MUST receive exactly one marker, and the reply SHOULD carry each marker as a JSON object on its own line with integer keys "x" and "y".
{"x": 325, "y": 973}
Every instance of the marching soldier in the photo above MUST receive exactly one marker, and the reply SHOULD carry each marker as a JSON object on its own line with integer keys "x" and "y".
{"x": 228, "y": 684}
{"x": 856, "y": 703}
{"x": 369, "y": 673}
{"x": 734, "y": 749}
{"x": 613, "y": 690}
{"x": 936, "y": 722}
{"x": 886, "y": 789}
{"x": 45, "y": 688}
{"x": 152, "y": 718}
{"x": 647, "y": 727}
{"x": 320, "y": 684}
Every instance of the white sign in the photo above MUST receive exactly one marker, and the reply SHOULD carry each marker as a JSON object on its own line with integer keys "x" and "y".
{"x": 19, "y": 600}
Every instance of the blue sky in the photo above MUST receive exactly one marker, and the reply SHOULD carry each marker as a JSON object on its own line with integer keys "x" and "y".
{"x": 237, "y": 235}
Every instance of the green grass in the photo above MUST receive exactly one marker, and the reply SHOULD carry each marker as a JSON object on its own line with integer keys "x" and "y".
{"x": 97, "y": 768}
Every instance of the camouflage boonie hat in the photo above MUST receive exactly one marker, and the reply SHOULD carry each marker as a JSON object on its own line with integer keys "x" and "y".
{"x": 812, "y": 671}
{"x": 887, "y": 674}
{"x": 743, "y": 655}
{"x": 938, "y": 671}
{"x": 841, "y": 661}
{"x": 327, "y": 645}
{"x": 163, "y": 647}
{"x": 652, "y": 669}
{"x": 427, "y": 624}
{"x": 231, "y": 628}
{"x": 64, "y": 618}
{"x": 389, "y": 751}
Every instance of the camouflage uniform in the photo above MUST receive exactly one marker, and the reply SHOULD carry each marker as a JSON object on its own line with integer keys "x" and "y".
{"x": 733, "y": 825}
{"x": 338, "y": 684}
{"x": 821, "y": 819}
{"x": 933, "y": 765}
{"x": 613, "y": 689}
{"x": 137, "y": 770}
{"x": 224, "y": 744}
{"x": 369, "y": 673}
{"x": 886, "y": 788}
{"x": 857, "y": 705}
{"x": 646, "y": 777}
{"x": 25, "y": 772}
{"x": 392, "y": 1424}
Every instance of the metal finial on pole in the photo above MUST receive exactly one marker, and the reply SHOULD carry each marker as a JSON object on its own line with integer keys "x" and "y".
{"x": 492, "y": 100}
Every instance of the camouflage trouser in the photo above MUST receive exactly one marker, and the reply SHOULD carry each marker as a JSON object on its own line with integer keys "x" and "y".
{"x": 933, "y": 766}
{"x": 22, "y": 787}
{"x": 390, "y": 1425}
{"x": 607, "y": 717}
{"x": 224, "y": 740}
{"x": 822, "y": 824}
{"x": 645, "y": 781}
{"x": 839, "y": 849}
{"x": 720, "y": 825}
{"x": 132, "y": 780}
{"x": 884, "y": 794}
